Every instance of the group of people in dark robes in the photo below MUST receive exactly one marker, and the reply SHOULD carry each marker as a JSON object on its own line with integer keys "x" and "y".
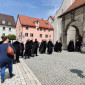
{"x": 31, "y": 48}
{"x": 71, "y": 47}
{"x": 58, "y": 46}
{"x": 44, "y": 45}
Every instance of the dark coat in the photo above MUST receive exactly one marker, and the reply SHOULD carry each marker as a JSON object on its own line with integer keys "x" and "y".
{"x": 56, "y": 47}
{"x": 4, "y": 58}
{"x": 71, "y": 46}
{"x": 16, "y": 45}
{"x": 41, "y": 48}
{"x": 21, "y": 49}
{"x": 27, "y": 48}
{"x": 78, "y": 46}
{"x": 59, "y": 47}
{"x": 50, "y": 47}
{"x": 35, "y": 47}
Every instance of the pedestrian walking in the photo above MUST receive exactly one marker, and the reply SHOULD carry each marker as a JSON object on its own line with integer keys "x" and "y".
{"x": 6, "y": 60}
{"x": 50, "y": 47}
{"x": 35, "y": 48}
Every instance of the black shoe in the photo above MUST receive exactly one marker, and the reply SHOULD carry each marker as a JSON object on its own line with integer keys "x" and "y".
{"x": 2, "y": 81}
{"x": 18, "y": 61}
{"x": 12, "y": 75}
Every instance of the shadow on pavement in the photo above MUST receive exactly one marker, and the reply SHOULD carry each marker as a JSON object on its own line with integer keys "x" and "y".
{"x": 78, "y": 72}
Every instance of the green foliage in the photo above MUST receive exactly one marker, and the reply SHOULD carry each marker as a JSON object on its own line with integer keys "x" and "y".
{"x": 11, "y": 37}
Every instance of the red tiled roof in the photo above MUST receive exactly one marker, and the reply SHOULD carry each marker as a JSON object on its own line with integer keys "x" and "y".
{"x": 29, "y": 21}
{"x": 52, "y": 17}
{"x": 75, "y": 5}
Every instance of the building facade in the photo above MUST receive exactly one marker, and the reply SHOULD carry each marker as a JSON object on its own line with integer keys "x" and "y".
{"x": 57, "y": 25}
{"x": 7, "y": 25}
{"x": 33, "y": 28}
{"x": 73, "y": 23}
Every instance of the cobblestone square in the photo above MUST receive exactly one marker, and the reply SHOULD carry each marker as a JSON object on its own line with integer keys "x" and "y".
{"x": 59, "y": 68}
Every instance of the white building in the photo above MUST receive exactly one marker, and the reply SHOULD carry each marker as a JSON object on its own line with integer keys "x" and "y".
{"x": 7, "y": 25}
{"x": 57, "y": 24}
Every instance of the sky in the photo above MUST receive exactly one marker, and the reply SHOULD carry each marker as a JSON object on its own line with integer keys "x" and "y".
{"x": 32, "y": 8}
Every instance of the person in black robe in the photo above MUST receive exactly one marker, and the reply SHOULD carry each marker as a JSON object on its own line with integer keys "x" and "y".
{"x": 27, "y": 49}
{"x": 50, "y": 47}
{"x": 41, "y": 48}
{"x": 16, "y": 45}
{"x": 56, "y": 47}
{"x": 59, "y": 46}
{"x": 44, "y": 46}
{"x": 71, "y": 46}
{"x": 35, "y": 48}
{"x": 30, "y": 49}
{"x": 78, "y": 46}
{"x": 21, "y": 49}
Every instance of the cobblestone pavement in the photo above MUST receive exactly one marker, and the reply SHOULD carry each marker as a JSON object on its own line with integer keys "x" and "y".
{"x": 59, "y": 68}
{"x": 23, "y": 76}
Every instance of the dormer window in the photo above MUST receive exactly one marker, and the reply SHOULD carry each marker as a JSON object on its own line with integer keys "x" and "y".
{"x": 26, "y": 28}
{"x": 9, "y": 23}
{"x": 3, "y": 22}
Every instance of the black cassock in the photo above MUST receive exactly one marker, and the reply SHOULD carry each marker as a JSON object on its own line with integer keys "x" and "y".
{"x": 44, "y": 46}
{"x": 21, "y": 49}
{"x": 78, "y": 46}
{"x": 71, "y": 46}
{"x": 35, "y": 47}
{"x": 59, "y": 47}
{"x": 41, "y": 48}
{"x": 56, "y": 47}
{"x": 50, "y": 47}
{"x": 27, "y": 49}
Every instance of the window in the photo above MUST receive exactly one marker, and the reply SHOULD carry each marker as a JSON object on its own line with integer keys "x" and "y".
{"x": 40, "y": 29}
{"x": 31, "y": 35}
{"x": 3, "y": 22}
{"x": 46, "y": 36}
{"x": 19, "y": 36}
{"x": 49, "y": 30}
{"x": 44, "y": 29}
{"x": 3, "y": 28}
{"x": 37, "y": 28}
{"x": 49, "y": 36}
{"x": 3, "y": 34}
{"x": 9, "y": 23}
{"x": 40, "y": 35}
{"x": 26, "y": 34}
{"x": 26, "y": 28}
{"x": 9, "y": 29}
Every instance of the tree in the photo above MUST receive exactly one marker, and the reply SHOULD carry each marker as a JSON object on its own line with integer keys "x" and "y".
{"x": 11, "y": 37}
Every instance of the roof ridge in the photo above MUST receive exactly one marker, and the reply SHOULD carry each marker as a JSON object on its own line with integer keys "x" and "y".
{"x": 33, "y": 17}
{"x": 6, "y": 15}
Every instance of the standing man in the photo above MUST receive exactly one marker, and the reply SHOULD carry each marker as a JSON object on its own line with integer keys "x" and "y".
{"x": 16, "y": 45}
{"x": 78, "y": 46}
{"x": 21, "y": 49}
{"x": 35, "y": 48}
{"x": 50, "y": 47}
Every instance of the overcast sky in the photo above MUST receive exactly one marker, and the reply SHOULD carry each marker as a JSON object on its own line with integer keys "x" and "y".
{"x": 33, "y": 8}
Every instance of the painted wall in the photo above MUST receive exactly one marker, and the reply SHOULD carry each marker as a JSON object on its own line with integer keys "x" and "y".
{"x": 36, "y": 33}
